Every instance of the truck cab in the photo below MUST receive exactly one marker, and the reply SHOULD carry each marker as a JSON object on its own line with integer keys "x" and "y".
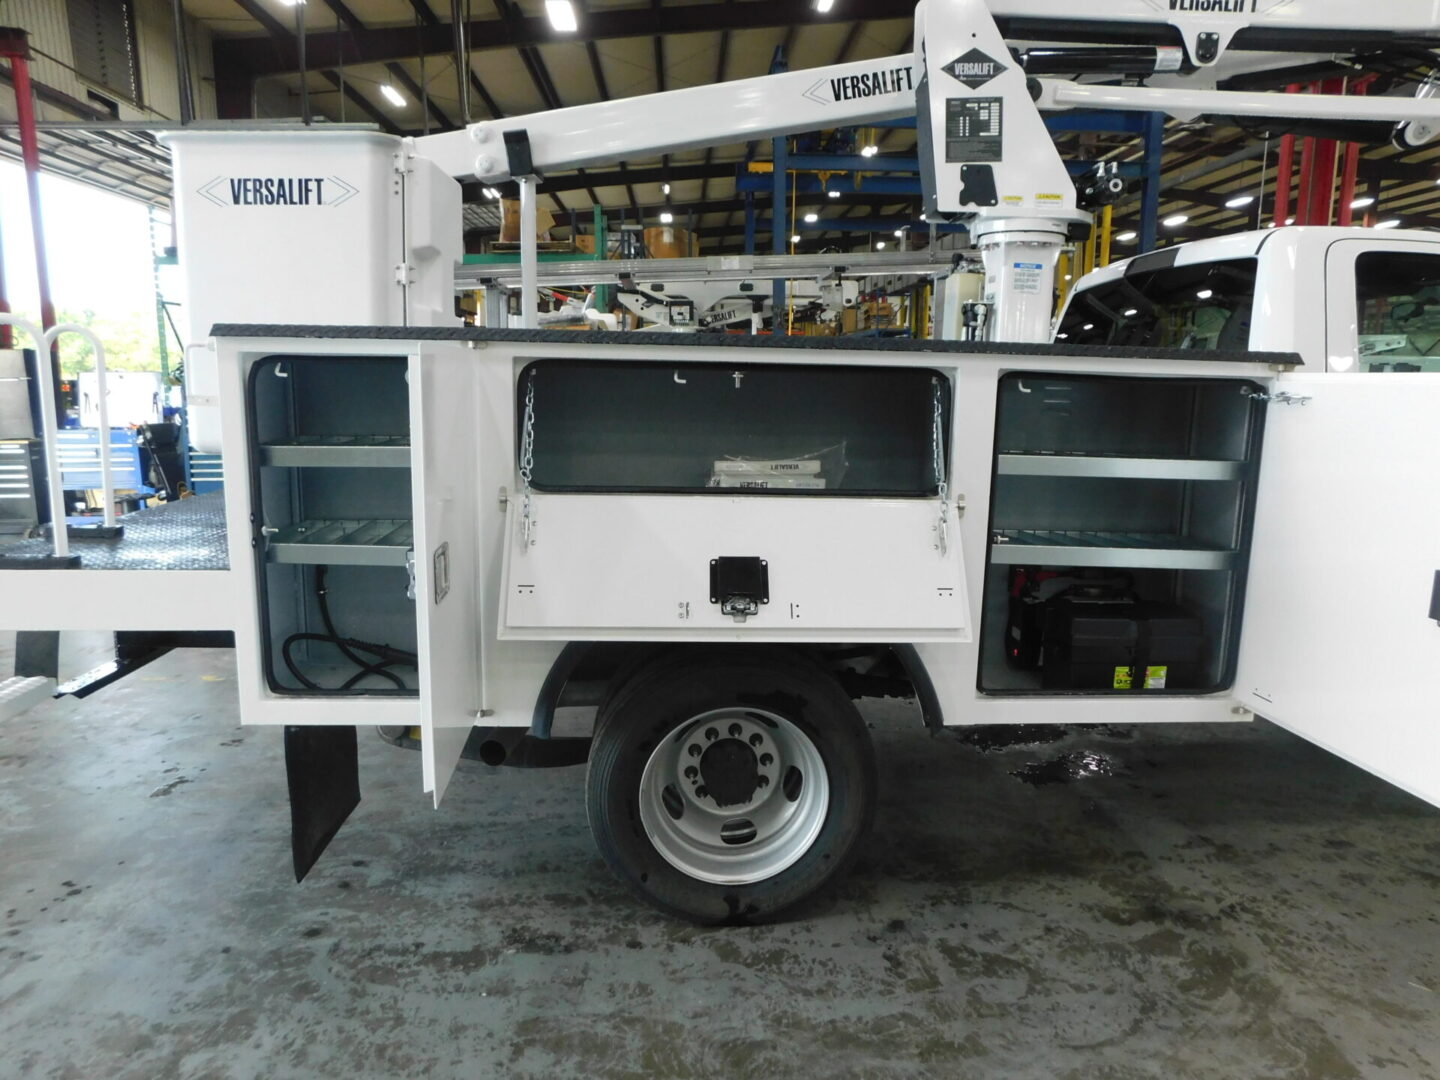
{"x": 1345, "y": 300}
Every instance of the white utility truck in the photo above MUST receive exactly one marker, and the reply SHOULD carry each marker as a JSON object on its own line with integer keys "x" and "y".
{"x": 1214, "y": 497}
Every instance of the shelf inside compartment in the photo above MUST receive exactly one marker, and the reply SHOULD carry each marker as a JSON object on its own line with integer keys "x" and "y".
{"x": 1118, "y": 468}
{"x": 339, "y": 451}
{"x": 344, "y": 542}
{"x": 1033, "y": 547}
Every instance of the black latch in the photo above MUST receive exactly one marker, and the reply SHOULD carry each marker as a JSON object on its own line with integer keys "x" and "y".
{"x": 739, "y": 584}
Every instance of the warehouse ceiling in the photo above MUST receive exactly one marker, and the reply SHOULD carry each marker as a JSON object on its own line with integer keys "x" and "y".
{"x": 517, "y": 64}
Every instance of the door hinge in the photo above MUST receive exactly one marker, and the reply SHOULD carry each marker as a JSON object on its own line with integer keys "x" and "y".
{"x": 1280, "y": 397}
{"x": 403, "y": 272}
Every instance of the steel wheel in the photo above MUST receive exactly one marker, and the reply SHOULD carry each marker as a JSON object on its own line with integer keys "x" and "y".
{"x": 729, "y": 784}
{"x": 734, "y": 796}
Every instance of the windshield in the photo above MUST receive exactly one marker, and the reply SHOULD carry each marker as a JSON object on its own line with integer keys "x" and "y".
{"x": 1204, "y": 306}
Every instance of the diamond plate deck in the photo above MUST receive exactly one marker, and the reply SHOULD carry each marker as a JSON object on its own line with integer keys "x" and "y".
{"x": 184, "y": 535}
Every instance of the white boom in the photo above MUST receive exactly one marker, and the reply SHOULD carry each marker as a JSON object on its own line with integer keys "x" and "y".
{"x": 985, "y": 152}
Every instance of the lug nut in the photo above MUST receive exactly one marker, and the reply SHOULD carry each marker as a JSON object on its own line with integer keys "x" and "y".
{"x": 735, "y": 730}
{"x": 711, "y": 734}
{"x": 766, "y": 759}
{"x": 756, "y": 740}
{"x": 701, "y": 792}
{"x": 763, "y": 781}
{"x": 694, "y": 750}
{"x": 691, "y": 772}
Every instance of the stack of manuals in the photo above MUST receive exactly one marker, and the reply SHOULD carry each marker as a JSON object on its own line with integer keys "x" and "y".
{"x": 780, "y": 474}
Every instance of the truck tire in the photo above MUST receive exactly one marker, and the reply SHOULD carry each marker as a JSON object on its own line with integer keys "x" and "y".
{"x": 727, "y": 786}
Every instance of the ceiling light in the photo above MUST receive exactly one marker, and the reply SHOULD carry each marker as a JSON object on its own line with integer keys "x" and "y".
{"x": 900, "y": 234}
{"x": 393, "y": 96}
{"x": 1126, "y": 237}
{"x": 562, "y": 14}
{"x": 1239, "y": 201}
{"x": 1062, "y": 337}
{"x": 833, "y": 194}
{"x": 1393, "y": 223}
{"x": 1088, "y": 326}
{"x": 810, "y": 219}
{"x": 292, "y": 3}
{"x": 1069, "y": 277}
{"x": 880, "y": 245}
{"x": 822, "y": 6}
{"x": 795, "y": 239}
{"x": 1174, "y": 221}
{"x": 869, "y": 151}
{"x": 1362, "y": 202}
{"x": 1131, "y": 311}
{"x": 1289, "y": 221}
{"x": 1205, "y": 294}
{"x": 491, "y": 193}
{"x": 665, "y": 189}
{"x": 666, "y": 217}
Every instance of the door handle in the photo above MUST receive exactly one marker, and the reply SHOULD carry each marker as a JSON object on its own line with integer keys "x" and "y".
{"x": 1435, "y": 598}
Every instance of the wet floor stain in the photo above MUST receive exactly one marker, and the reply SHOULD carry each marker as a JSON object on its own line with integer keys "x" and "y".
{"x": 1067, "y": 768}
{"x": 993, "y": 738}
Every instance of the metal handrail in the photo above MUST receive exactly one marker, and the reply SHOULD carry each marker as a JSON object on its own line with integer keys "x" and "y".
{"x": 49, "y": 434}
{"x": 107, "y": 480}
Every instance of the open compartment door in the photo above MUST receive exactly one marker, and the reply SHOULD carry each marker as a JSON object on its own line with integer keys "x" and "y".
{"x": 444, "y": 407}
{"x": 1341, "y": 642}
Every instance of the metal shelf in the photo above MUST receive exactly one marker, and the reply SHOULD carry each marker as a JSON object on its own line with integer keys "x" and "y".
{"x": 1126, "y": 468}
{"x": 1136, "y": 551}
{"x": 340, "y": 452}
{"x": 344, "y": 542}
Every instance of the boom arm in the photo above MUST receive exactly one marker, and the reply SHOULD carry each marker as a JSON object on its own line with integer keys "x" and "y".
{"x": 845, "y": 95}
{"x": 984, "y": 149}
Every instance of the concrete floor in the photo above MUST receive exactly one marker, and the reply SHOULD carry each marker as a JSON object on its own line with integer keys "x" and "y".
{"x": 1228, "y": 902}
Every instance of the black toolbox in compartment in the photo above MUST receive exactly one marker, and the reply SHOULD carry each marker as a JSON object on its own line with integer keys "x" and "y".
{"x": 1106, "y": 644}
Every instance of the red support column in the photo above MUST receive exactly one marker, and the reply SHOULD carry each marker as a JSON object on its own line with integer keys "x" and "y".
{"x": 1285, "y": 171}
{"x": 15, "y": 47}
{"x": 1350, "y": 172}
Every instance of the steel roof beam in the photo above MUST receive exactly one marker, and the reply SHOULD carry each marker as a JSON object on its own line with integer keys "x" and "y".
{"x": 260, "y": 57}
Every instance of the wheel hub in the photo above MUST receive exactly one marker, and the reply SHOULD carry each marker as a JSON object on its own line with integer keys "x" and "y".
{"x": 730, "y": 772}
{"x": 734, "y": 795}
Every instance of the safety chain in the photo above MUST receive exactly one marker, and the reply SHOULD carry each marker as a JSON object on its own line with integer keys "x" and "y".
{"x": 937, "y": 439}
{"x": 527, "y": 466}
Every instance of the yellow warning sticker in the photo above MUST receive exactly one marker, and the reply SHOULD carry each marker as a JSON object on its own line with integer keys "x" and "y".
{"x": 1155, "y": 678}
{"x": 1124, "y": 679}
{"x": 1048, "y": 197}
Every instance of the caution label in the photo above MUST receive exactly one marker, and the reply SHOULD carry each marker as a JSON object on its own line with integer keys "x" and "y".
{"x": 1026, "y": 278}
{"x": 1154, "y": 678}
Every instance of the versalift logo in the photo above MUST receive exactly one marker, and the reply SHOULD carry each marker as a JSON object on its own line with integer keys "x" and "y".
{"x": 1234, "y": 7}
{"x": 974, "y": 69}
{"x": 278, "y": 191}
{"x": 866, "y": 84}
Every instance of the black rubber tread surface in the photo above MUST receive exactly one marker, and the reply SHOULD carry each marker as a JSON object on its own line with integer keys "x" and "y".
{"x": 641, "y": 338}
{"x": 679, "y": 686}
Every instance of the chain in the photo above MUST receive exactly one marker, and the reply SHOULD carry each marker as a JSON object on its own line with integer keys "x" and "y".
{"x": 527, "y": 467}
{"x": 937, "y": 441}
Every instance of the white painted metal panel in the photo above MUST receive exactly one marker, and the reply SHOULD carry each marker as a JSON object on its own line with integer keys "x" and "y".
{"x": 1338, "y": 645}
{"x": 638, "y": 566}
{"x": 444, "y": 403}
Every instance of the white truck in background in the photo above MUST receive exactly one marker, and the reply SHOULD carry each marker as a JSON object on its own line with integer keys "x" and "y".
{"x": 1345, "y": 299}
